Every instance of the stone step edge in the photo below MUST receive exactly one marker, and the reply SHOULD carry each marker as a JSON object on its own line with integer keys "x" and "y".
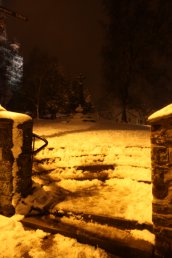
{"x": 117, "y": 222}
{"x": 131, "y": 248}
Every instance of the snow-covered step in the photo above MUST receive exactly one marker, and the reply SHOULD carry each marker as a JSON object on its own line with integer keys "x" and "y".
{"x": 117, "y": 243}
{"x": 135, "y": 156}
{"x": 123, "y": 198}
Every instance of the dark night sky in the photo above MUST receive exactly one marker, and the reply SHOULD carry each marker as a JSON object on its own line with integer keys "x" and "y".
{"x": 69, "y": 29}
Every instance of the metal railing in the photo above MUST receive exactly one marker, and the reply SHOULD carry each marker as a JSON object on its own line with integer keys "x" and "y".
{"x": 34, "y": 137}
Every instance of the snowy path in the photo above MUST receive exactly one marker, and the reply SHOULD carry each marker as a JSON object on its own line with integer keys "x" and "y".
{"x": 87, "y": 168}
{"x": 96, "y": 169}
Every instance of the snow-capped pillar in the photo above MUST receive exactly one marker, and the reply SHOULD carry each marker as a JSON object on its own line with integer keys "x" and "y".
{"x": 161, "y": 155}
{"x": 15, "y": 159}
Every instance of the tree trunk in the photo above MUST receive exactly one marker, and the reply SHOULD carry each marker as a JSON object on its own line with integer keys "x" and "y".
{"x": 37, "y": 111}
{"x": 124, "y": 114}
{"x": 38, "y": 99}
{"x": 124, "y": 98}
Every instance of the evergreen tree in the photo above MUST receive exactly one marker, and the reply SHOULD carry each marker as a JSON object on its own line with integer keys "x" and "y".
{"x": 137, "y": 54}
{"x": 45, "y": 87}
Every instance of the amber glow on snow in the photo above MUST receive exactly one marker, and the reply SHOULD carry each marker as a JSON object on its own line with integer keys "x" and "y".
{"x": 91, "y": 167}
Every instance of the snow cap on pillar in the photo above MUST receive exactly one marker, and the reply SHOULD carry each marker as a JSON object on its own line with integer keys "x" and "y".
{"x": 164, "y": 113}
{"x": 1, "y": 108}
{"x": 18, "y": 118}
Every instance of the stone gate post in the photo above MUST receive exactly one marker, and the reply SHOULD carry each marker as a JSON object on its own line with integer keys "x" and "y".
{"x": 15, "y": 159}
{"x": 161, "y": 155}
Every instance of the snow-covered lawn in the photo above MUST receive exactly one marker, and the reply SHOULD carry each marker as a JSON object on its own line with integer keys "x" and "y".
{"x": 91, "y": 167}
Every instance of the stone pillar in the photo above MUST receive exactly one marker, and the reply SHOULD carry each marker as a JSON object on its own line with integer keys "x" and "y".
{"x": 15, "y": 159}
{"x": 161, "y": 155}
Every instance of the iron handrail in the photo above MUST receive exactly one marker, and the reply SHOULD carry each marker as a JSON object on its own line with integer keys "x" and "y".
{"x": 34, "y": 136}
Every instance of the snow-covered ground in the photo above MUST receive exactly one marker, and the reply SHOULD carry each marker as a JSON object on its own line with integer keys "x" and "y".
{"x": 89, "y": 166}
{"x": 16, "y": 242}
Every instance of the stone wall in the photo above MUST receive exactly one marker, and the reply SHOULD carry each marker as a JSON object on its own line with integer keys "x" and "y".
{"x": 161, "y": 155}
{"x": 15, "y": 160}
{"x": 6, "y": 163}
{"x": 24, "y": 161}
